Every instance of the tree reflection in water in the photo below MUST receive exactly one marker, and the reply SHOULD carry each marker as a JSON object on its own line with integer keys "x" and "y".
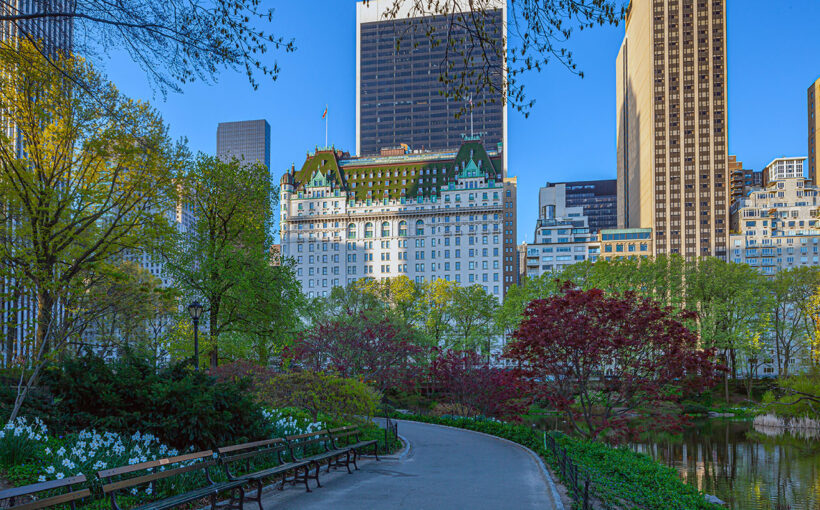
{"x": 747, "y": 469}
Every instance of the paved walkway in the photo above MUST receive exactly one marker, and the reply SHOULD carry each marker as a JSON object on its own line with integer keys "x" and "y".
{"x": 445, "y": 468}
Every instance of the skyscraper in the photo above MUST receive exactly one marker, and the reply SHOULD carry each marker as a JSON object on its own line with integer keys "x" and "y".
{"x": 672, "y": 125}
{"x": 398, "y": 92}
{"x": 814, "y": 128}
{"x": 246, "y": 140}
{"x": 598, "y": 200}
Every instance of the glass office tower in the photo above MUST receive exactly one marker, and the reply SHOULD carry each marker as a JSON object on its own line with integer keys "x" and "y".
{"x": 400, "y": 99}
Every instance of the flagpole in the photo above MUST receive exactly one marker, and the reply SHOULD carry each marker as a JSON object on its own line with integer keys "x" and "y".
{"x": 326, "y": 114}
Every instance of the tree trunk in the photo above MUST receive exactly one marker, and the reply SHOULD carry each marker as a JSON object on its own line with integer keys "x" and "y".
{"x": 213, "y": 321}
{"x": 45, "y": 314}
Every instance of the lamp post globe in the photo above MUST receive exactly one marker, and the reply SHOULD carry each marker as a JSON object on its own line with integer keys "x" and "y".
{"x": 195, "y": 311}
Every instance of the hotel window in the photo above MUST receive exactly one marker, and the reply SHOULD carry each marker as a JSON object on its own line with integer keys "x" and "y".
{"x": 385, "y": 229}
{"x": 402, "y": 228}
{"x": 419, "y": 228}
{"x": 351, "y": 231}
{"x": 368, "y": 230}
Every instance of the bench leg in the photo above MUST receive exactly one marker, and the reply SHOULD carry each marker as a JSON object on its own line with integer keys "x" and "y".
{"x": 347, "y": 461}
{"x": 242, "y": 498}
{"x": 376, "y": 450}
{"x": 355, "y": 459}
{"x": 213, "y": 501}
{"x": 318, "y": 466}
{"x": 259, "y": 494}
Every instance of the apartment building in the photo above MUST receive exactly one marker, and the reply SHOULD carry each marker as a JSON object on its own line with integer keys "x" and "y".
{"x": 777, "y": 228}
{"x": 672, "y": 125}
{"x": 562, "y": 234}
{"x": 424, "y": 215}
{"x": 813, "y": 102}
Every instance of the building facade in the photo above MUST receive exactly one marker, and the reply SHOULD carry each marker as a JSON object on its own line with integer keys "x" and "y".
{"x": 425, "y": 216}
{"x": 625, "y": 243}
{"x": 599, "y": 200}
{"x": 743, "y": 180}
{"x": 246, "y": 140}
{"x": 784, "y": 168}
{"x": 777, "y": 228}
{"x": 562, "y": 234}
{"x": 399, "y": 98}
{"x": 672, "y": 125}
{"x": 813, "y": 101}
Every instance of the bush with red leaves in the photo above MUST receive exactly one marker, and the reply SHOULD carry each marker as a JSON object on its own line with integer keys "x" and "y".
{"x": 616, "y": 365}
{"x": 375, "y": 350}
{"x": 465, "y": 378}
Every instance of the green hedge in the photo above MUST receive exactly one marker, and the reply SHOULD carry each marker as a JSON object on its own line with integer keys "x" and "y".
{"x": 620, "y": 478}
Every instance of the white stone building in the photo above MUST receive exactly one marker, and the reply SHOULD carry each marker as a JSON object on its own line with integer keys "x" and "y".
{"x": 562, "y": 235}
{"x": 421, "y": 215}
{"x": 784, "y": 168}
{"x": 777, "y": 228}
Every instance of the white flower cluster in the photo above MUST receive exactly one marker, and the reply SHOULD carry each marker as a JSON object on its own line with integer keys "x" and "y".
{"x": 36, "y": 431}
{"x": 89, "y": 451}
{"x": 287, "y": 425}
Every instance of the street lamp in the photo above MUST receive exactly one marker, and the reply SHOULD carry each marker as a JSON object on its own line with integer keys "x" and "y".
{"x": 195, "y": 310}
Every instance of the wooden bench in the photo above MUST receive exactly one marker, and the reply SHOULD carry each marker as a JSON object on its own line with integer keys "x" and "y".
{"x": 348, "y": 437}
{"x": 275, "y": 450}
{"x": 13, "y": 495}
{"x": 316, "y": 448}
{"x": 114, "y": 481}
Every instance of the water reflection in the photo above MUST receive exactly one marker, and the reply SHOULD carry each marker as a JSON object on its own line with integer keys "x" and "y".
{"x": 747, "y": 469}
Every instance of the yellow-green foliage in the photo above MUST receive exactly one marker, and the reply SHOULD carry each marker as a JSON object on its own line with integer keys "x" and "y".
{"x": 791, "y": 404}
{"x": 320, "y": 393}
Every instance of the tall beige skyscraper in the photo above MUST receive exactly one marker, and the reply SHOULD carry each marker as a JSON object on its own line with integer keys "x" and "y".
{"x": 814, "y": 130}
{"x": 672, "y": 125}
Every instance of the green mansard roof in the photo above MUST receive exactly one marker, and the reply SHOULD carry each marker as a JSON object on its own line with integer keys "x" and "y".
{"x": 338, "y": 170}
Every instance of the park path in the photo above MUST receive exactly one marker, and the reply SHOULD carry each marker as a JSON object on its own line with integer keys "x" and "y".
{"x": 445, "y": 468}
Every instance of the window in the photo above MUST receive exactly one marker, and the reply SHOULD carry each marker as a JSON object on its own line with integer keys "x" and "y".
{"x": 368, "y": 230}
{"x": 419, "y": 228}
{"x": 385, "y": 229}
{"x": 402, "y": 228}
{"x": 351, "y": 231}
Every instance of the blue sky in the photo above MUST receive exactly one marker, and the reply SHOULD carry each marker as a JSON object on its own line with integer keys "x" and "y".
{"x": 773, "y": 56}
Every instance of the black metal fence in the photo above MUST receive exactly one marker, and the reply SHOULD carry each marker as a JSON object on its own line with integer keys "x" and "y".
{"x": 391, "y": 433}
{"x": 577, "y": 482}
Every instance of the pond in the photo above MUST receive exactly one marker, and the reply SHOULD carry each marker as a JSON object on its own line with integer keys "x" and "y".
{"x": 743, "y": 467}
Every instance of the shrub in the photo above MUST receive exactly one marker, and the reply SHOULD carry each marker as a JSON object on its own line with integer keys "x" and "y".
{"x": 794, "y": 400}
{"x": 181, "y": 407}
{"x": 467, "y": 380}
{"x": 255, "y": 375}
{"x": 317, "y": 392}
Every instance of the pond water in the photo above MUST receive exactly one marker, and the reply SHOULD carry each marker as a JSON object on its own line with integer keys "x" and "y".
{"x": 743, "y": 467}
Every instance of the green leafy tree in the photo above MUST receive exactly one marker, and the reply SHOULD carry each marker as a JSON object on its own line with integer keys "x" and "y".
{"x": 224, "y": 258}
{"x": 85, "y": 175}
{"x": 728, "y": 302}
{"x": 472, "y": 312}
{"x": 789, "y": 292}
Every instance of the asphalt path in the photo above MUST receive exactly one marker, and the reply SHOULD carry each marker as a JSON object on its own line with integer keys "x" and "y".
{"x": 444, "y": 468}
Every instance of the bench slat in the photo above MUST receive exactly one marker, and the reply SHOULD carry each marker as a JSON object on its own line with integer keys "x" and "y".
{"x": 245, "y": 446}
{"x": 193, "y": 495}
{"x": 108, "y": 473}
{"x": 53, "y": 501}
{"x": 309, "y": 434}
{"x": 40, "y": 487}
{"x": 253, "y": 453}
{"x": 137, "y": 480}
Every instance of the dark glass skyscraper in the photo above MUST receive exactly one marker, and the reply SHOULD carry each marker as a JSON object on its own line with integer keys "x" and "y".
{"x": 399, "y": 99}
{"x": 599, "y": 200}
{"x": 246, "y": 140}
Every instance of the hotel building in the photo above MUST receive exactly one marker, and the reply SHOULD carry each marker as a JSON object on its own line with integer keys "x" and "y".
{"x": 813, "y": 100}
{"x": 429, "y": 215}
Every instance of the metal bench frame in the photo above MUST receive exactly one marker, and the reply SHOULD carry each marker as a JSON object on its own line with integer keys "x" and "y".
{"x": 205, "y": 461}
{"x": 325, "y": 442}
{"x": 277, "y": 448}
{"x": 355, "y": 445}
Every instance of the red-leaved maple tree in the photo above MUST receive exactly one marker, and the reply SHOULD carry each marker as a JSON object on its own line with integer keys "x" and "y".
{"x": 616, "y": 365}
{"x": 465, "y": 378}
{"x": 376, "y": 350}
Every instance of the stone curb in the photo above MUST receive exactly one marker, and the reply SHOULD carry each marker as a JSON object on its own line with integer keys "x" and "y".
{"x": 544, "y": 472}
{"x": 400, "y": 455}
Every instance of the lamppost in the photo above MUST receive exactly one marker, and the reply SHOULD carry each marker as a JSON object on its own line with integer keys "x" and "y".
{"x": 195, "y": 310}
